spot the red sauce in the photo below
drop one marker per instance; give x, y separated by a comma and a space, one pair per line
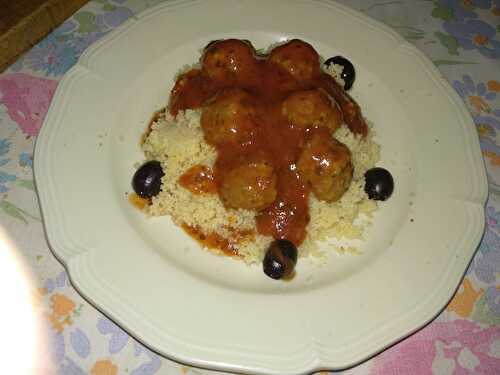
215, 241
288, 216
138, 201
275, 138
199, 179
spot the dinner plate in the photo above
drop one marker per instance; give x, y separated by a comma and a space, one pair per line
215, 312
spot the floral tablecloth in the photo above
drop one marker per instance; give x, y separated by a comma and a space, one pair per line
462, 37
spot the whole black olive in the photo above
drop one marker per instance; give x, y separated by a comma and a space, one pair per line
348, 73
379, 184
280, 259
147, 179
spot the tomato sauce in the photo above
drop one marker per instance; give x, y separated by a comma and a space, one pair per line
199, 179
215, 241
280, 141
138, 201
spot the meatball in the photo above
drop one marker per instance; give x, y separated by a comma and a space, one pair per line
297, 58
230, 118
230, 62
308, 108
250, 185
325, 164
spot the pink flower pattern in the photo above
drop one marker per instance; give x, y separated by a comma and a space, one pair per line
461, 346
27, 99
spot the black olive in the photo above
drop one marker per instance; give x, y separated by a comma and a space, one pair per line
379, 184
280, 259
348, 73
147, 179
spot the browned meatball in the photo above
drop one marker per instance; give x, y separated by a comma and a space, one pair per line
326, 164
230, 118
250, 185
298, 58
312, 108
230, 62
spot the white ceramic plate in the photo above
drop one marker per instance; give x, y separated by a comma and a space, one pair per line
215, 312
